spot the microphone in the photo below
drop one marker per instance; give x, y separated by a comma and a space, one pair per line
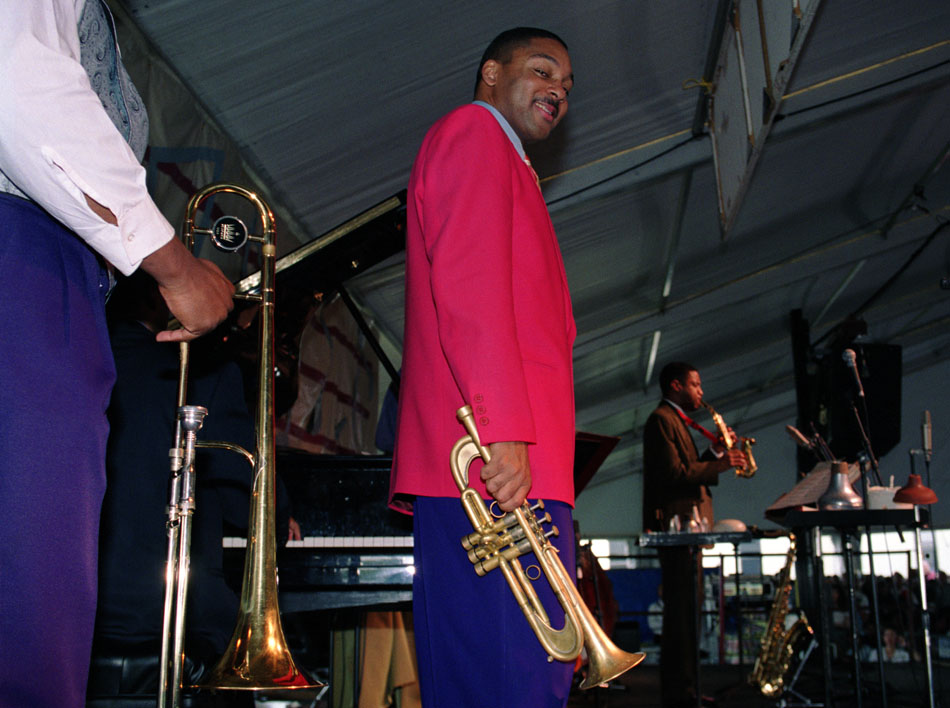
799, 439
926, 436
852, 361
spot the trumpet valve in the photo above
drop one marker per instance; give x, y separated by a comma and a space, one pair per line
508, 553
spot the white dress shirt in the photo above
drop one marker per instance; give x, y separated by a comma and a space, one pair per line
57, 143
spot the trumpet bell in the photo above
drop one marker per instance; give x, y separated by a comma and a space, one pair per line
605, 660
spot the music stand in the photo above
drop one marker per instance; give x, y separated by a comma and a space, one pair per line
590, 451
808, 490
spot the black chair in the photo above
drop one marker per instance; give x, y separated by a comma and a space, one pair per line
123, 676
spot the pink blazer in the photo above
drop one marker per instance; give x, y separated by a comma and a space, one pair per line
488, 313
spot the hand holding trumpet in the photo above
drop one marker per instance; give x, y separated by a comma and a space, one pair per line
507, 476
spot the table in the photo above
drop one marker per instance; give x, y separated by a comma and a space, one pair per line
694, 541
848, 522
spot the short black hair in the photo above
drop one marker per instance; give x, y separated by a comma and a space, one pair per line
674, 371
504, 45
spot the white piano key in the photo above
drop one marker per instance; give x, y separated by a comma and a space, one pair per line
317, 542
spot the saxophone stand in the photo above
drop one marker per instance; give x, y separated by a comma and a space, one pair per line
803, 701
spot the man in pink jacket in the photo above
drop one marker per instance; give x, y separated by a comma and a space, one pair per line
488, 323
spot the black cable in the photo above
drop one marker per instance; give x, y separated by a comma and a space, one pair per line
838, 99
887, 284
664, 153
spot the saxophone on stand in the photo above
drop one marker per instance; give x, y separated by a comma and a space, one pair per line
779, 645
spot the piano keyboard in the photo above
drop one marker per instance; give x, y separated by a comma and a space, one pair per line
355, 552
396, 542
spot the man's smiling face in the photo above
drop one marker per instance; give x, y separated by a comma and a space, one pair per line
531, 89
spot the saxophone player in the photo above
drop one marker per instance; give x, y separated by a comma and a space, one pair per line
676, 480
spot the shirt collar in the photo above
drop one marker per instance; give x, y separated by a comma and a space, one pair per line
667, 400
505, 125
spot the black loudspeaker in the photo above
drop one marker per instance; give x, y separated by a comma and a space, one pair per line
879, 368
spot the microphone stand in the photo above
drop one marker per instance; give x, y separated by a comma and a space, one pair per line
866, 443
933, 532
874, 600
866, 459
921, 578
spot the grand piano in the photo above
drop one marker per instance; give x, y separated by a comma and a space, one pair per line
356, 552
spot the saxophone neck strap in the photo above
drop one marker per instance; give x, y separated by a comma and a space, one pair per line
696, 426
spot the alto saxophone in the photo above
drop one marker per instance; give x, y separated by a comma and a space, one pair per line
779, 645
746, 443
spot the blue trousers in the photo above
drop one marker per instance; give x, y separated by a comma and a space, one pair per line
474, 646
56, 374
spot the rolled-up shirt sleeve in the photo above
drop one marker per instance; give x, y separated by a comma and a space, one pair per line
58, 145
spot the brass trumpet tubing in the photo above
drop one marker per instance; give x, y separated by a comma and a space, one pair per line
507, 524
580, 631
564, 644
477, 551
487, 562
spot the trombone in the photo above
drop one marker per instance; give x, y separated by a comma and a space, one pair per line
257, 657
498, 542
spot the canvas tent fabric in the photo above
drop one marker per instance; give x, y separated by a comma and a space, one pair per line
326, 104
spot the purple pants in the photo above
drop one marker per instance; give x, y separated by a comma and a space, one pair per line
474, 646
56, 373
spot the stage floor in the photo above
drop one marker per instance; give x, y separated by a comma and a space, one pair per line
906, 688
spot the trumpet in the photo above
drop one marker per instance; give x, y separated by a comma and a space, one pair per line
498, 542
745, 443
257, 657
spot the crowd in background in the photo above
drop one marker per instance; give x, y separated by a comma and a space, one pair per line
899, 613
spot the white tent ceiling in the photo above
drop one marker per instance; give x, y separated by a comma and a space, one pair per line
328, 102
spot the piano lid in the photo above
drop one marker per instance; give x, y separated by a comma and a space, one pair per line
343, 252
318, 268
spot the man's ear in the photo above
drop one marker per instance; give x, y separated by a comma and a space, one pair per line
490, 72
